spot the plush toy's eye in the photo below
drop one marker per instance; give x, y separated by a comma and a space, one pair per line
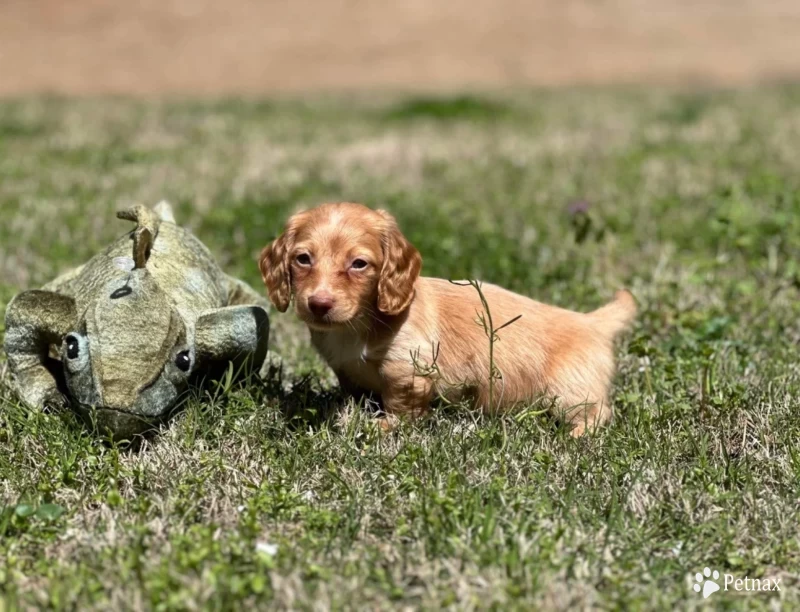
183, 360
73, 349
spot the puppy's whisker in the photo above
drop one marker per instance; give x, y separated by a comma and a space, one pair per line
375, 317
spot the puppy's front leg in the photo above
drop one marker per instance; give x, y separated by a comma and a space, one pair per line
348, 387
405, 394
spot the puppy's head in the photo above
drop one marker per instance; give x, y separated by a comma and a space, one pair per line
343, 263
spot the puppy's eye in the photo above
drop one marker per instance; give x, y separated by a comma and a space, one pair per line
73, 348
183, 360
358, 264
303, 259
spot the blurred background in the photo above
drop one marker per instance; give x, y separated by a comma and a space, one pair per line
155, 47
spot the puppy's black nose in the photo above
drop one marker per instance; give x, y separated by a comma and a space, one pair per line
320, 304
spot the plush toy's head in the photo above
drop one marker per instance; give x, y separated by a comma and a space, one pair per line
128, 355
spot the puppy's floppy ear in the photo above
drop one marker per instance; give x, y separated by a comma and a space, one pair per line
276, 265
401, 266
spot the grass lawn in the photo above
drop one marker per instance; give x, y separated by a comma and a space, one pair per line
282, 494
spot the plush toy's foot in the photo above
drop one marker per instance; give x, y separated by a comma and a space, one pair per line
116, 424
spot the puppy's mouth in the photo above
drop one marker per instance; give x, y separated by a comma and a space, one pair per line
321, 324
324, 323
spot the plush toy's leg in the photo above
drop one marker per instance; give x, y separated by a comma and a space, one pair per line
234, 333
35, 320
147, 224
243, 294
240, 293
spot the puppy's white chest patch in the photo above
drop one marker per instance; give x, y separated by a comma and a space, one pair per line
341, 349
343, 353
348, 355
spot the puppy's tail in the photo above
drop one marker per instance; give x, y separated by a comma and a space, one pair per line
617, 315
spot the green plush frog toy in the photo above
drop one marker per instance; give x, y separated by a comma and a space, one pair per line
121, 337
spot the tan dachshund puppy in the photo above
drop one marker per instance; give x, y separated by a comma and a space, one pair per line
383, 328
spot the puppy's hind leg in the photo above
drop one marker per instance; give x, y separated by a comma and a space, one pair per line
583, 389
587, 415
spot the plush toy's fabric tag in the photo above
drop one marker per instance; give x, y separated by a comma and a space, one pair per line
124, 263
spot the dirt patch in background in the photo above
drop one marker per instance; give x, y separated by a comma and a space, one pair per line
147, 47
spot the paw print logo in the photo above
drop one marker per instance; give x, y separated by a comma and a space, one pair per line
709, 586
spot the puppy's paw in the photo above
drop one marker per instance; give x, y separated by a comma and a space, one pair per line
387, 423
578, 430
